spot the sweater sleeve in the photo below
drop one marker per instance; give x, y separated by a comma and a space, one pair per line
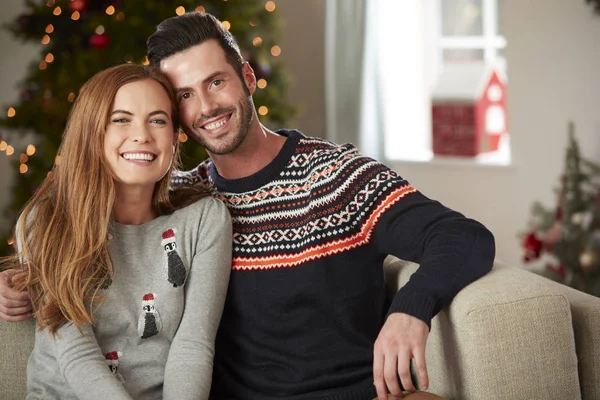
188, 373
452, 250
84, 367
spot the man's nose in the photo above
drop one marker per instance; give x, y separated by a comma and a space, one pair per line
207, 104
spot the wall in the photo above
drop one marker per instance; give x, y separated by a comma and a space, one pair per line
302, 52
553, 62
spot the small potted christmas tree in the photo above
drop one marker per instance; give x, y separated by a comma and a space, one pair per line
565, 241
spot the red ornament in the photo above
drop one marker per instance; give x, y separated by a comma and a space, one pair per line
559, 269
99, 41
532, 246
78, 5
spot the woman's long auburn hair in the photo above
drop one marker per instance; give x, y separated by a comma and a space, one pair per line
63, 229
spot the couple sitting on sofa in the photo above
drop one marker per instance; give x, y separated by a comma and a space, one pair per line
127, 262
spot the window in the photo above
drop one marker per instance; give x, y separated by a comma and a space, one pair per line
417, 40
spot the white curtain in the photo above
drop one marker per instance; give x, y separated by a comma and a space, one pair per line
351, 75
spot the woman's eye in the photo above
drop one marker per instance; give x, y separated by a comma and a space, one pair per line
120, 120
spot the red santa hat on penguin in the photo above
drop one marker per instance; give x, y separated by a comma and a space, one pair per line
113, 358
148, 299
168, 236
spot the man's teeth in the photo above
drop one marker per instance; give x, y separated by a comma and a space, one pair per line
138, 156
216, 124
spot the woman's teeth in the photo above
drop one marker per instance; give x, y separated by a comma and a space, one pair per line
139, 156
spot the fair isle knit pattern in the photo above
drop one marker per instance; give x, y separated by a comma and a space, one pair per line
343, 193
306, 297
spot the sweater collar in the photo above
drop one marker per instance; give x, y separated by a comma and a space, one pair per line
269, 173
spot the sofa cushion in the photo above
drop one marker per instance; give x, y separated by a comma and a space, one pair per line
16, 343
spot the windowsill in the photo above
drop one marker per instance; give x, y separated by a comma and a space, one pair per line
499, 158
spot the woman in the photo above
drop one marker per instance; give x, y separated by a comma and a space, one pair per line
127, 282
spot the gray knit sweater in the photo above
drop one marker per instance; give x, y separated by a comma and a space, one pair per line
154, 334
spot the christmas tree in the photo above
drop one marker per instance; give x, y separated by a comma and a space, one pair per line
566, 240
81, 37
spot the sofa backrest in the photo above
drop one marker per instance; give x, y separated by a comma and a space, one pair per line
16, 343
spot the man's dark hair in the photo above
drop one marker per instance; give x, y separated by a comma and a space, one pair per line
177, 34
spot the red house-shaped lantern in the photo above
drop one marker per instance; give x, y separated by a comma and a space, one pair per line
468, 109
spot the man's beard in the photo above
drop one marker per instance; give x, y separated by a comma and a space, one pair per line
236, 134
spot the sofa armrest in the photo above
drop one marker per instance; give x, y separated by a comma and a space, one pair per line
506, 335
16, 343
585, 311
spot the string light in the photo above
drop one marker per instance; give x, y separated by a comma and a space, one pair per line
46, 39
120, 16
50, 28
43, 65
262, 110
275, 51
146, 61
23, 158
183, 137
57, 160
252, 23
257, 41
57, 10
200, 9
75, 16
262, 83
270, 6
180, 10
227, 25
3, 145
23, 168
128, 58
110, 10
30, 150
100, 30
11, 112
50, 3
71, 97
49, 58
11, 241
10, 150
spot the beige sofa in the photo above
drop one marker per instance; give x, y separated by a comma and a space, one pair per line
510, 335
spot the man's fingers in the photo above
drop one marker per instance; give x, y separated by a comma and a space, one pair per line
422, 369
7, 293
404, 372
378, 378
13, 311
390, 372
9, 273
13, 298
14, 318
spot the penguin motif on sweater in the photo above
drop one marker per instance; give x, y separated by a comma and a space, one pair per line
149, 322
176, 272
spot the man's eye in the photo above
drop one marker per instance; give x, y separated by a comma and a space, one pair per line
159, 121
217, 82
184, 96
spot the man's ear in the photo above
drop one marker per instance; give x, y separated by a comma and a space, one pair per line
249, 77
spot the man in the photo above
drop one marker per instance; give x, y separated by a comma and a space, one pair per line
306, 314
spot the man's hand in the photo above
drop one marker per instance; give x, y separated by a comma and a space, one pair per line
14, 305
402, 337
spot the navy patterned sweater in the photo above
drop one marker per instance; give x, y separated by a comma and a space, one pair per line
306, 297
